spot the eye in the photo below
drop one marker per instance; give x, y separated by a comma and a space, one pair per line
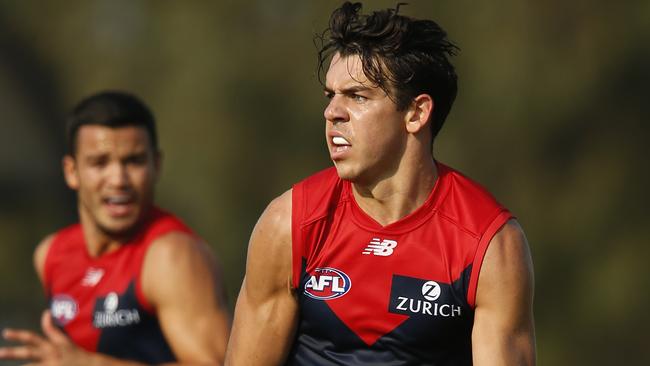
329, 95
139, 159
359, 98
98, 161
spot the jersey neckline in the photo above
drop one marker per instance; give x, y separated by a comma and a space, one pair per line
153, 214
409, 222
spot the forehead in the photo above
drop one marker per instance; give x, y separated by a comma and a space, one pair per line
346, 71
103, 139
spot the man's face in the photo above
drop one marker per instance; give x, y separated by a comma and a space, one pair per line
113, 172
365, 132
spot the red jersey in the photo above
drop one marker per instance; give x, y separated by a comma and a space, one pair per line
401, 294
98, 302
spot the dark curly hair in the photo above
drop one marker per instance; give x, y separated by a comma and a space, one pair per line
403, 56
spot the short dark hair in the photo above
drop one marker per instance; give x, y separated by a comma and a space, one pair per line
111, 109
403, 56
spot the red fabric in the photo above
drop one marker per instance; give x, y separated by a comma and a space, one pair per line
438, 241
68, 263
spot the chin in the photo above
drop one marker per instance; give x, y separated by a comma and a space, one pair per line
342, 172
120, 227
345, 173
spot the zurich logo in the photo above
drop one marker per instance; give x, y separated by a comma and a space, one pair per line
63, 309
431, 290
111, 303
327, 283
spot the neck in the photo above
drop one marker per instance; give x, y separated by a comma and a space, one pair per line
395, 196
98, 241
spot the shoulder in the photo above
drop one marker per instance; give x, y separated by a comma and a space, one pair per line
318, 184
57, 247
315, 196
510, 237
174, 261
507, 267
167, 248
268, 263
161, 223
40, 254
280, 207
273, 229
467, 203
509, 245
166, 238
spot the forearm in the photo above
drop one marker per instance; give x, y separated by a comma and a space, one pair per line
255, 325
517, 350
98, 359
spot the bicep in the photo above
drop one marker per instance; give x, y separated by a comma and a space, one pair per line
180, 279
266, 307
503, 332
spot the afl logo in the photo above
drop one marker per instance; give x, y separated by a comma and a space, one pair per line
327, 283
63, 309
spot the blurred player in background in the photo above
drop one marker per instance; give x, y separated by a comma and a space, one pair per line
390, 257
130, 283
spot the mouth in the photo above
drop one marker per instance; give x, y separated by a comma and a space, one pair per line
340, 143
339, 146
119, 205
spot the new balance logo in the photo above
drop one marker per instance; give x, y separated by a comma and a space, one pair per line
382, 248
92, 277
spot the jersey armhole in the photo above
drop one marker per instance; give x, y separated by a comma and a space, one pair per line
47, 266
142, 300
139, 293
483, 244
297, 212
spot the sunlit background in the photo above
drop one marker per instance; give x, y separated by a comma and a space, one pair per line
552, 117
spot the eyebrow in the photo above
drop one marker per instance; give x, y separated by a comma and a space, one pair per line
103, 154
95, 156
349, 90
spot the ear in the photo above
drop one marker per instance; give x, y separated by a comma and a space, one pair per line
419, 114
70, 172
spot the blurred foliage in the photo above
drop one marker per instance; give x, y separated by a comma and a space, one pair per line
551, 116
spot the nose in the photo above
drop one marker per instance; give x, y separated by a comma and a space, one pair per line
118, 175
335, 110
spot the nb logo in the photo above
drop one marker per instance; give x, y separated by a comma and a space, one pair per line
382, 248
92, 277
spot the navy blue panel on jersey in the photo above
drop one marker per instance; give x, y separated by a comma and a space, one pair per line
128, 331
435, 334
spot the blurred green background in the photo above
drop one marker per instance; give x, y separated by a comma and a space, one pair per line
552, 117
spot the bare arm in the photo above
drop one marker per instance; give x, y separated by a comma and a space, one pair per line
504, 332
266, 311
181, 282
180, 279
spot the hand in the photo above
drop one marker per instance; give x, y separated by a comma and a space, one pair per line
55, 349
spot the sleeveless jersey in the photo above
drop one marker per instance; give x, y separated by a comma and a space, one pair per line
98, 302
401, 294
